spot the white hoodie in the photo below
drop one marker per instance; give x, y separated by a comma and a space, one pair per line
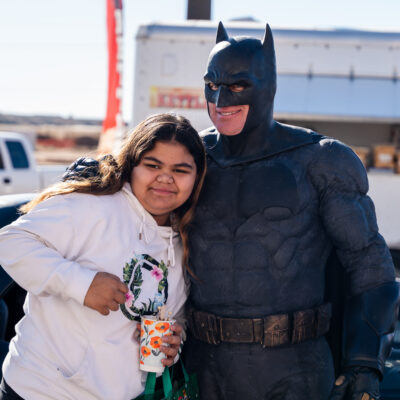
62, 349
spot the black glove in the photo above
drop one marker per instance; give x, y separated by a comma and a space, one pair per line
356, 383
82, 168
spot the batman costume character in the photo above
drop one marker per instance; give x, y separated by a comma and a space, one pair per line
277, 201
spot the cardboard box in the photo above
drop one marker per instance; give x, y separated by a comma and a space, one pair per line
384, 156
363, 154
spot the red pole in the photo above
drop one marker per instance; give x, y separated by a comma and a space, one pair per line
113, 121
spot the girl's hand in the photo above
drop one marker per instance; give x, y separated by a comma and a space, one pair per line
136, 333
105, 293
174, 342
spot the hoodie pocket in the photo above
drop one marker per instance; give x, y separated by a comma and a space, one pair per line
80, 371
108, 371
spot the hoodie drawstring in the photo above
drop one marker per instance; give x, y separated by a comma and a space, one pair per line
171, 251
141, 228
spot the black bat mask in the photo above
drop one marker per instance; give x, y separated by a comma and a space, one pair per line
247, 62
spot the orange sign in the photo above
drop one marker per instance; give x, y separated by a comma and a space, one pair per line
172, 97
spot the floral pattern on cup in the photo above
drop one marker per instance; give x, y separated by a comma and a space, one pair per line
162, 326
151, 334
145, 351
155, 342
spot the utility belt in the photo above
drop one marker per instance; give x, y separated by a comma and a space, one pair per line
269, 331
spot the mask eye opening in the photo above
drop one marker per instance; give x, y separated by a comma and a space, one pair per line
212, 86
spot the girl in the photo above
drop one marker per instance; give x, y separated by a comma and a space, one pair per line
112, 242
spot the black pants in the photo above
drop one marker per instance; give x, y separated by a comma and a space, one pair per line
240, 371
6, 393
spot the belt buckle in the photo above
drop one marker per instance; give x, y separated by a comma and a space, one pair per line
235, 330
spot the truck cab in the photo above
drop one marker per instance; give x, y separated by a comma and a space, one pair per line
18, 172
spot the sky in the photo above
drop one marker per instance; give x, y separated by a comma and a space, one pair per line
53, 53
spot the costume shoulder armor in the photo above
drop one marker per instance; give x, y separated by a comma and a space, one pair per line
334, 163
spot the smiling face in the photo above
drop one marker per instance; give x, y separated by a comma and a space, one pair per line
164, 179
228, 120
240, 84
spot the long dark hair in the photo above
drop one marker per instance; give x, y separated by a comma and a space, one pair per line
113, 173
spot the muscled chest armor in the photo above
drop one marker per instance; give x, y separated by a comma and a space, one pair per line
257, 238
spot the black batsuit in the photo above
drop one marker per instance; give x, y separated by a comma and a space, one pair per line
276, 202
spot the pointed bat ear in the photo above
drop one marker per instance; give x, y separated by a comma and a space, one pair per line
221, 33
268, 40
